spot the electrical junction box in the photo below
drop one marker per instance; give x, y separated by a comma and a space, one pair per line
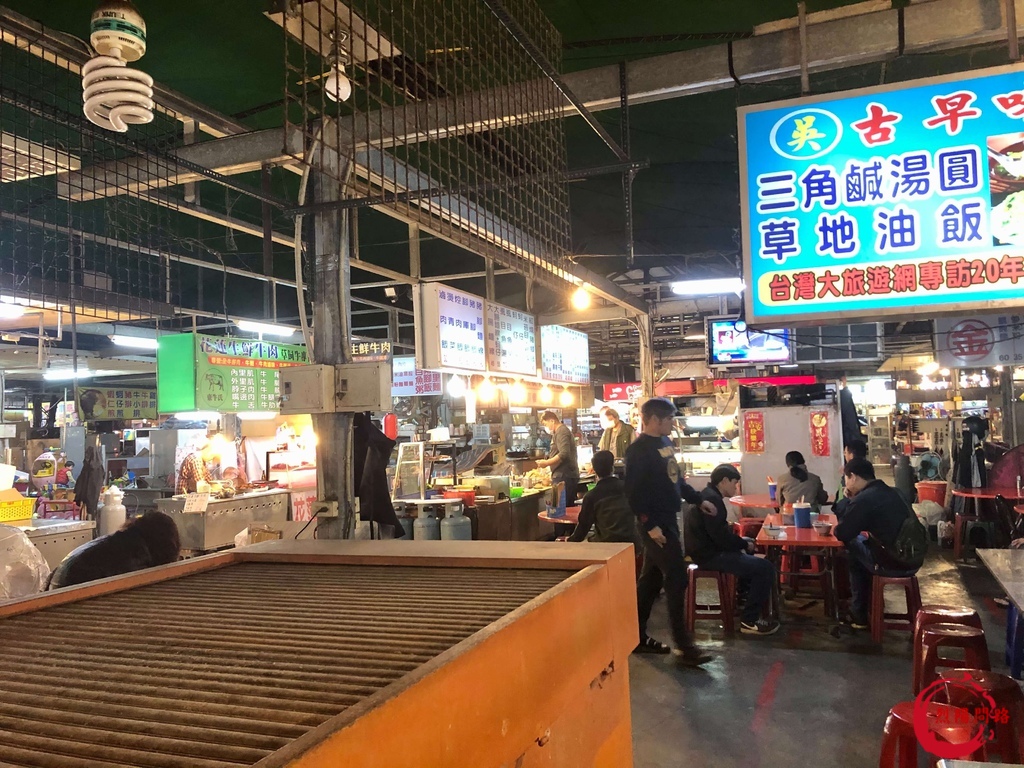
352, 388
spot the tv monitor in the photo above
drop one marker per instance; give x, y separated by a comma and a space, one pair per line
728, 345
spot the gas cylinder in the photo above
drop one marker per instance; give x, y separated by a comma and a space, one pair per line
113, 514
456, 526
426, 526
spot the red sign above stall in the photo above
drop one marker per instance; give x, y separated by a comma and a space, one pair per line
769, 381
631, 391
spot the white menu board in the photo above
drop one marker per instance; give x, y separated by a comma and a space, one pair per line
511, 340
409, 381
449, 329
565, 354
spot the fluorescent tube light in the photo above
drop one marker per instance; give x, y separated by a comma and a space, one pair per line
11, 311
66, 374
136, 342
256, 415
715, 286
271, 329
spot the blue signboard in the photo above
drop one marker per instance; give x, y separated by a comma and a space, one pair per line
904, 199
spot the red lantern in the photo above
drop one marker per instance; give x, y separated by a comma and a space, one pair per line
391, 425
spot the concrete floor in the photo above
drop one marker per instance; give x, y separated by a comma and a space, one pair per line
800, 698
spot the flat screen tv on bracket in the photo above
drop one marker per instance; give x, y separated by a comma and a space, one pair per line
732, 343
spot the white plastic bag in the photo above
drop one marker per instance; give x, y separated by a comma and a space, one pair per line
929, 511
23, 569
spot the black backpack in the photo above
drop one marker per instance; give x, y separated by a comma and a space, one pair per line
911, 543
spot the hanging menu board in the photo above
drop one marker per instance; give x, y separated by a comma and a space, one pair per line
565, 355
100, 403
449, 329
216, 373
511, 340
409, 381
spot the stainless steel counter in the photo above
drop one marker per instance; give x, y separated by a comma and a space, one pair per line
55, 539
223, 519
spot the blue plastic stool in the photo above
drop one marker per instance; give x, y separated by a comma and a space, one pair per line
1014, 641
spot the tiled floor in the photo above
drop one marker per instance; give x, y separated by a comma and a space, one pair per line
801, 698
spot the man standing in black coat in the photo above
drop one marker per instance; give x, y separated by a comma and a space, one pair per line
655, 489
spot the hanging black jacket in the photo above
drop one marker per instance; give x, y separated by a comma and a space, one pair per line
371, 451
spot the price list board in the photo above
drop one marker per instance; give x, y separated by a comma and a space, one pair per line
450, 329
511, 340
565, 355
217, 373
410, 381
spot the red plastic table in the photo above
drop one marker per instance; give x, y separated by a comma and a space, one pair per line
987, 492
754, 501
802, 538
571, 517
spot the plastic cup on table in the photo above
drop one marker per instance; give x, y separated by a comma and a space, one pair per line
772, 489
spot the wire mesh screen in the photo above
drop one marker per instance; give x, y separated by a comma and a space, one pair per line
449, 119
70, 234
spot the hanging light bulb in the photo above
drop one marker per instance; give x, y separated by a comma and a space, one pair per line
581, 299
486, 391
546, 395
114, 95
337, 86
456, 387
517, 393
565, 398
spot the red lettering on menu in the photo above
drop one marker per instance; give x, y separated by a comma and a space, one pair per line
878, 126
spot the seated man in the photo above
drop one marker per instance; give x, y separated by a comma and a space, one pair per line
870, 528
606, 508
711, 543
855, 449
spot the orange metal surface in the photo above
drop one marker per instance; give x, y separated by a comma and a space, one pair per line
508, 695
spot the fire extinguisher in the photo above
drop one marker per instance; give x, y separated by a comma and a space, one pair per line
391, 425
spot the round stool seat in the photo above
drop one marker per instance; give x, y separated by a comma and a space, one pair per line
935, 636
951, 724
938, 614
1006, 722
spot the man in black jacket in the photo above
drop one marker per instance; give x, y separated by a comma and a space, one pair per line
711, 543
606, 509
878, 510
655, 489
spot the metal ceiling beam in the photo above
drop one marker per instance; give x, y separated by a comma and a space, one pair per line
866, 34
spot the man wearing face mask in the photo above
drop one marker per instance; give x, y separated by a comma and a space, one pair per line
562, 457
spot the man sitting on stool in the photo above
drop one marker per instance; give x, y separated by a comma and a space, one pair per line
606, 508
712, 544
880, 511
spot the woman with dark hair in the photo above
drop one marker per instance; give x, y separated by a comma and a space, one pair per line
145, 542
798, 484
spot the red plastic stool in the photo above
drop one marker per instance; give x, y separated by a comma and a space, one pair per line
960, 521
880, 620
723, 610
1006, 722
939, 614
899, 742
970, 640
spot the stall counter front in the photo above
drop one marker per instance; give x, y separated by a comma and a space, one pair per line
224, 518
56, 539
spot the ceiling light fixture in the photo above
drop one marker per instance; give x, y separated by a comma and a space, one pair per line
271, 329
197, 416
486, 391
65, 374
581, 298
11, 311
256, 415
928, 368
545, 394
456, 387
715, 286
337, 86
113, 95
565, 398
135, 342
